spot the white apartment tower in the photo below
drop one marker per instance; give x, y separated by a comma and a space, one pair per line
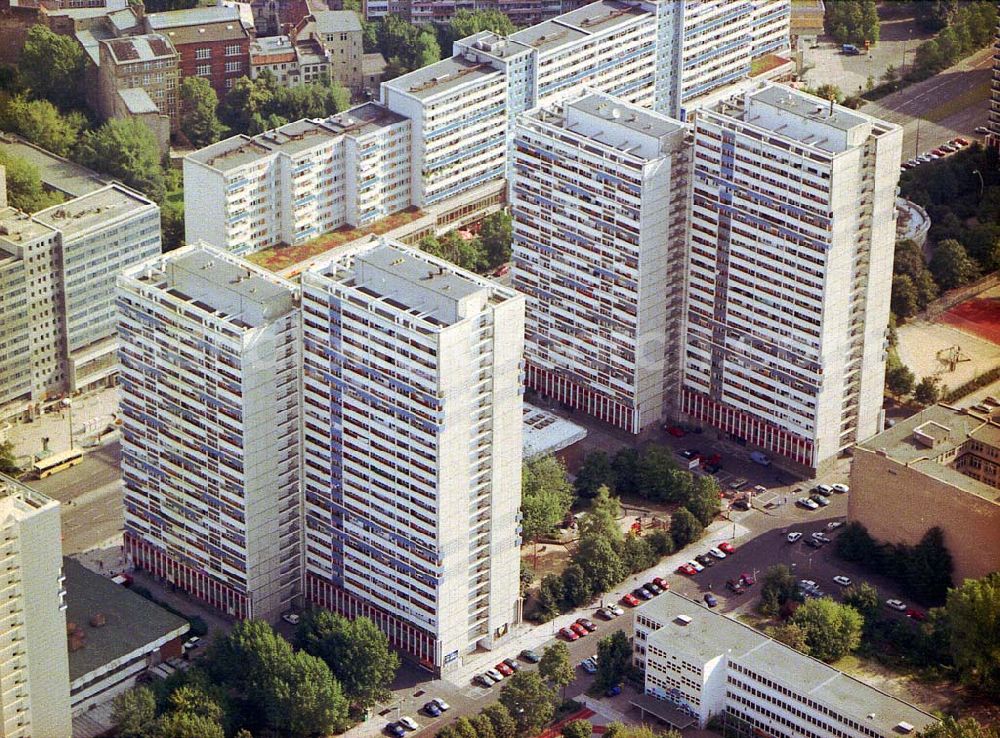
790, 263
210, 442
34, 671
599, 199
412, 448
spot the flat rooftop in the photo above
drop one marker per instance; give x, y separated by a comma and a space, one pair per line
442, 76
96, 209
17, 228
337, 21
922, 439
707, 635
601, 16
809, 106
548, 35
132, 622
621, 116
193, 16
20, 499
219, 285
151, 47
363, 119
56, 173
430, 290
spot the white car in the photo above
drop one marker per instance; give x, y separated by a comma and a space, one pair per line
807, 503
841, 488
442, 705
897, 605
842, 581
495, 675
607, 613
695, 565
616, 609
834, 524
807, 584
793, 536
716, 553
821, 537
982, 129
409, 723
291, 618
192, 643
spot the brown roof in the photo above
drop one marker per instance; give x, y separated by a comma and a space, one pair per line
208, 32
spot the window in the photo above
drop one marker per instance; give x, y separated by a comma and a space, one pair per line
202, 54
204, 70
234, 66
233, 50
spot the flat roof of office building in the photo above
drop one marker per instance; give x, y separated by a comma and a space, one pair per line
601, 16
94, 209
56, 172
442, 76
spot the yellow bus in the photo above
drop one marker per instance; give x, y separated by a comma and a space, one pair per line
57, 462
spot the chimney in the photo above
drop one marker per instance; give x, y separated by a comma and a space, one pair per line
3, 186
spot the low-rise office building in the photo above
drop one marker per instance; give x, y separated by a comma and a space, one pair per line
940, 467
698, 664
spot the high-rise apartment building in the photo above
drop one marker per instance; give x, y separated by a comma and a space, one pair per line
210, 440
34, 673
412, 448
298, 181
57, 271
790, 260
599, 199
994, 125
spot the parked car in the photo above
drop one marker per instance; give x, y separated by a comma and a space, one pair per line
806, 503
495, 675
687, 569
813, 543
613, 691
793, 536
192, 643
710, 600
442, 705
409, 723
759, 457
607, 613
916, 614
395, 729
961, 141
578, 629
821, 537
615, 609
530, 656
290, 617
675, 431
748, 581
840, 488
690, 453
631, 600
819, 500
432, 709
504, 669
712, 466
705, 560
982, 130
642, 593
696, 565
738, 483
741, 504
834, 524
653, 588
484, 680
717, 553
734, 586
661, 583
897, 605
588, 624
823, 489
588, 666
842, 580
568, 634
806, 584
727, 548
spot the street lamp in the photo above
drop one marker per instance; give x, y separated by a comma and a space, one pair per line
981, 184
68, 404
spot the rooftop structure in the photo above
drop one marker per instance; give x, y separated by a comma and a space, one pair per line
708, 664
140, 48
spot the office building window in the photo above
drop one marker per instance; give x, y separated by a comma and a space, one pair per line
234, 66
204, 70
202, 54
233, 50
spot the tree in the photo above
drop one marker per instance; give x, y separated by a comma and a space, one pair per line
928, 567
829, 92
832, 630
495, 235
546, 496
777, 587
172, 223
578, 729
483, 726
466, 23
40, 122
356, 651
307, 699
654, 475
926, 392
199, 121
125, 148
704, 501
791, 634
619, 730
637, 554
899, 380
950, 727
504, 725
133, 712
577, 588
243, 108
661, 542
555, 666
24, 185
448, 731
600, 561
684, 528
529, 701
973, 611
550, 597
195, 700
951, 265
601, 520
595, 472
8, 462
464, 728
179, 724
614, 659
52, 66
625, 467
864, 598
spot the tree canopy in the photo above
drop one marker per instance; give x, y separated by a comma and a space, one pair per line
528, 700
24, 185
40, 122
199, 121
555, 666
258, 105
973, 612
125, 148
832, 630
546, 496
52, 67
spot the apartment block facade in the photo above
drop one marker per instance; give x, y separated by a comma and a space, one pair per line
412, 448
209, 390
599, 201
34, 673
790, 258
994, 123
338, 33
703, 664
57, 271
296, 182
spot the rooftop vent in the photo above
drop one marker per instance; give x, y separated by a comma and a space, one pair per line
98, 619
683, 620
903, 727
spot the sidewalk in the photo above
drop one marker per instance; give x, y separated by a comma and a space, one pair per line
91, 412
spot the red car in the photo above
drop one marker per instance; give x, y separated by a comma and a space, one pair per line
504, 669
661, 583
916, 614
631, 600
578, 629
675, 431
939, 152
727, 548
748, 581
961, 141
568, 634
687, 569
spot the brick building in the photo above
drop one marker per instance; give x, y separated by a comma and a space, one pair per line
339, 33
213, 43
